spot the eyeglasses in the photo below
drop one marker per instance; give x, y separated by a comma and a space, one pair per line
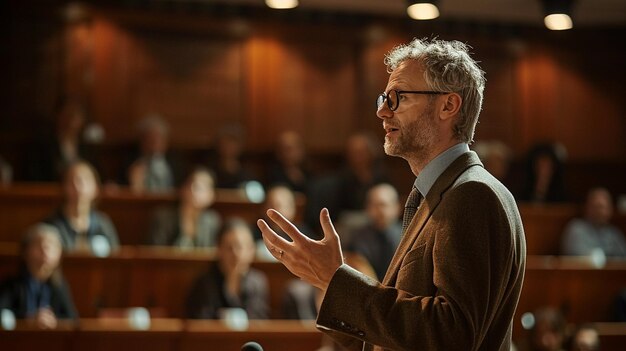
393, 97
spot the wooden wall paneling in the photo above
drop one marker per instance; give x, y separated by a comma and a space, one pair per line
111, 97
79, 45
301, 84
194, 81
592, 121
538, 103
498, 119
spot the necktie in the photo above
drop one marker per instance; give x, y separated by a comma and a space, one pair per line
412, 203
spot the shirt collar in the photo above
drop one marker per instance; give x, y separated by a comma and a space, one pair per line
428, 176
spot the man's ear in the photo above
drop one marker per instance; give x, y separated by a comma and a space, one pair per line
451, 106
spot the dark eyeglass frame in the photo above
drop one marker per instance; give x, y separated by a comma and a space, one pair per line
382, 97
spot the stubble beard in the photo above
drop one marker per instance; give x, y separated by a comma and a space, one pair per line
416, 138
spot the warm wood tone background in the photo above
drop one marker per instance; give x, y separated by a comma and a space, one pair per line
316, 74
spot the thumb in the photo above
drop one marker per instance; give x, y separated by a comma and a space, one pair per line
330, 234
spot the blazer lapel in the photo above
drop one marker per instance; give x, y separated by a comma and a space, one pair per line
425, 210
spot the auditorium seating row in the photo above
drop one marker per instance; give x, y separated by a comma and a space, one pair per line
159, 279
23, 204
163, 335
178, 335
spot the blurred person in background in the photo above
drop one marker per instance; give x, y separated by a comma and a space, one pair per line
364, 170
344, 192
594, 232
39, 293
69, 143
283, 198
548, 333
192, 223
496, 157
377, 241
231, 282
153, 171
288, 168
585, 338
81, 226
544, 174
230, 172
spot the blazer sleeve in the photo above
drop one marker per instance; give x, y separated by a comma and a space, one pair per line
471, 242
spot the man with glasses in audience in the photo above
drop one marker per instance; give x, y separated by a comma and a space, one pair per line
456, 277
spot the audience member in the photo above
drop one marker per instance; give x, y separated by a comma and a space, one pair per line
66, 145
345, 192
364, 170
281, 198
191, 223
231, 283
548, 331
495, 156
153, 171
229, 170
288, 168
585, 338
81, 226
39, 293
377, 241
544, 174
594, 232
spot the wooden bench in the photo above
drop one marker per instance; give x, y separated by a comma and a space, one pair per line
152, 277
24, 204
582, 291
163, 335
544, 225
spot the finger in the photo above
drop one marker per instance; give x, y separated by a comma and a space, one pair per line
274, 243
288, 227
327, 226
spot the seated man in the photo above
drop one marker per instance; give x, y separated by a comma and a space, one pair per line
39, 293
377, 241
231, 283
584, 236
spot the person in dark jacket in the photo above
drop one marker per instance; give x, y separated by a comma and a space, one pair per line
230, 282
39, 293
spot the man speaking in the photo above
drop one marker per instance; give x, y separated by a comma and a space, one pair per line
456, 277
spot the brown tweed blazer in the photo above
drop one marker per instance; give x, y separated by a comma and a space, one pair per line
454, 281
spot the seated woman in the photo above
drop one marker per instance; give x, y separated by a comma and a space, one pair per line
230, 282
81, 227
39, 292
191, 224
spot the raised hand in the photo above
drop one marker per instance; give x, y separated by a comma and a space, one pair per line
314, 261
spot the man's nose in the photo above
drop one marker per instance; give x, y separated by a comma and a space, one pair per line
384, 112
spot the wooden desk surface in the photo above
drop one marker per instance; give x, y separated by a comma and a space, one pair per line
164, 334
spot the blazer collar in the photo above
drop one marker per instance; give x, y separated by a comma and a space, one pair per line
426, 208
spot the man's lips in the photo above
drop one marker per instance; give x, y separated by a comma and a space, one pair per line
390, 129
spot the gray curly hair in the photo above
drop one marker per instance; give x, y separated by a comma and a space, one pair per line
447, 67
